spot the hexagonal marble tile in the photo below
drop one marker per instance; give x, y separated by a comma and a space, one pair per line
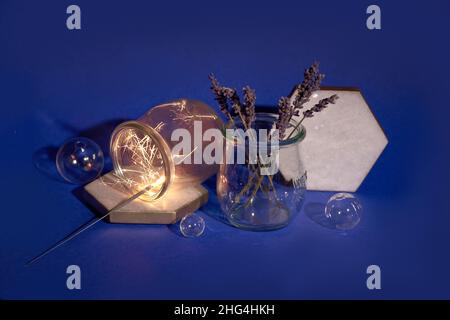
342, 143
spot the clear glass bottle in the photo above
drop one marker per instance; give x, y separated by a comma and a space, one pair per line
141, 150
255, 202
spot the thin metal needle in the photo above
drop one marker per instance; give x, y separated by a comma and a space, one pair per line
86, 226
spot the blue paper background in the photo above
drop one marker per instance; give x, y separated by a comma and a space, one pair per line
129, 55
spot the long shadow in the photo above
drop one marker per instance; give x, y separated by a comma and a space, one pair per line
100, 133
44, 159
315, 211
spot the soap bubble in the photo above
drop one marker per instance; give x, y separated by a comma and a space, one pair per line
192, 226
79, 160
343, 211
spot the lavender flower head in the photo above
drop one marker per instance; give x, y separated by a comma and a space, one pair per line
220, 96
284, 116
233, 97
310, 83
320, 106
299, 97
249, 105
230, 103
227, 96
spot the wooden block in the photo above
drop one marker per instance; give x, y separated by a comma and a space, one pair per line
105, 193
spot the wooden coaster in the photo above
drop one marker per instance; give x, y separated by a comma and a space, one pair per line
179, 201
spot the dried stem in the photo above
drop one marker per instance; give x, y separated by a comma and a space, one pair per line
231, 106
295, 128
317, 108
258, 185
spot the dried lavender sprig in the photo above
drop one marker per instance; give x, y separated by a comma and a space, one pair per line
310, 83
232, 95
249, 105
220, 96
284, 116
300, 95
322, 104
245, 112
226, 96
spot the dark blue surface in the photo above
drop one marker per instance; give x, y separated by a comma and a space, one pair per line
129, 55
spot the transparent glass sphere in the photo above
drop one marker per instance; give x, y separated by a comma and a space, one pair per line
343, 211
79, 160
192, 226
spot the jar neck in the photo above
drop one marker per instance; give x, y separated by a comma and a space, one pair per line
267, 121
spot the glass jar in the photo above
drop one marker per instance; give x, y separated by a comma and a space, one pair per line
251, 200
141, 150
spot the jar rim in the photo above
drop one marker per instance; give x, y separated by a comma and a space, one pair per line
296, 138
169, 167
